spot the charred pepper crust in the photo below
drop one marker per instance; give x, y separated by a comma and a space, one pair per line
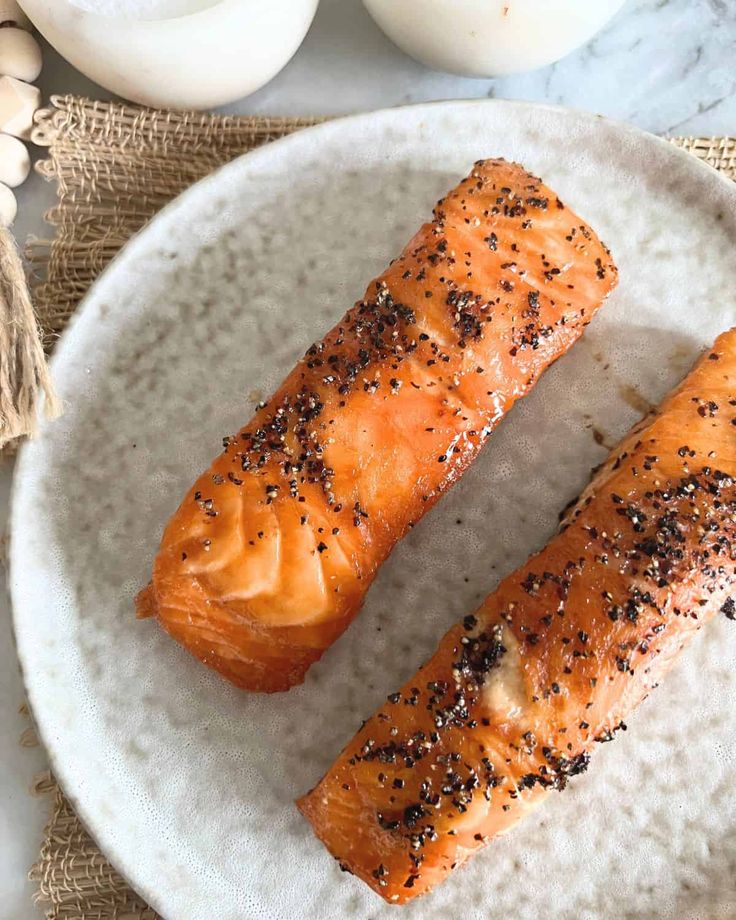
454, 787
458, 781
379, 333
653, 546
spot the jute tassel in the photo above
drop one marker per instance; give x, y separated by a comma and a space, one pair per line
24, 377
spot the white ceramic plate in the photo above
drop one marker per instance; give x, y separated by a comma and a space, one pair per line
188, 784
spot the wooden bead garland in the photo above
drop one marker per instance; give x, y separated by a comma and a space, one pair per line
15, 162
12, 15
18, 102
20, 54
8, 205
20, 64
24, 376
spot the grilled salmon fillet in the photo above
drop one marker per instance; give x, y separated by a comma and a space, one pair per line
516, 696
270, 555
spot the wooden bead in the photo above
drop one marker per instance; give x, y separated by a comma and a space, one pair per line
11, 13
20, 55
15, 163
8, 206
18, 102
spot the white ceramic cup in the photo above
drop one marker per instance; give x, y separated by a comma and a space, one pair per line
488, 38
200, 60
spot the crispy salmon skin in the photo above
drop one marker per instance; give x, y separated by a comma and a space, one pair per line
271, 553
516, 696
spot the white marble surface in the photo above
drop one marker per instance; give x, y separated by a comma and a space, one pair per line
665, 65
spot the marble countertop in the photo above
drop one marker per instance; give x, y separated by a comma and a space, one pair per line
666, 66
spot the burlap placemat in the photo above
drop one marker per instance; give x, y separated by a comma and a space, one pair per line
114, 167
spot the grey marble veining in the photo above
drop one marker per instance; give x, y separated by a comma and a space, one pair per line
665, 65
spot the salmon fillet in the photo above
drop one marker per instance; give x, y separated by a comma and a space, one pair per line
516, 696
272, 550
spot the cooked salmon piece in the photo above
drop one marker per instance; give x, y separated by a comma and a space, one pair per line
517, 695
273, 549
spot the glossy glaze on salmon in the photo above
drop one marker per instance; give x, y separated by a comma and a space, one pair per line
271, 553
517, 695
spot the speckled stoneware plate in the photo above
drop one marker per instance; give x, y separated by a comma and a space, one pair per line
188, 784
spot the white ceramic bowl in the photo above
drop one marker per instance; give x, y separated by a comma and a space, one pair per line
488, 38
200, 60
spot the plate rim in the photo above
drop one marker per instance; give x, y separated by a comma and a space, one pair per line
137, 244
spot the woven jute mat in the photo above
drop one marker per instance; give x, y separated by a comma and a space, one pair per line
114, 167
